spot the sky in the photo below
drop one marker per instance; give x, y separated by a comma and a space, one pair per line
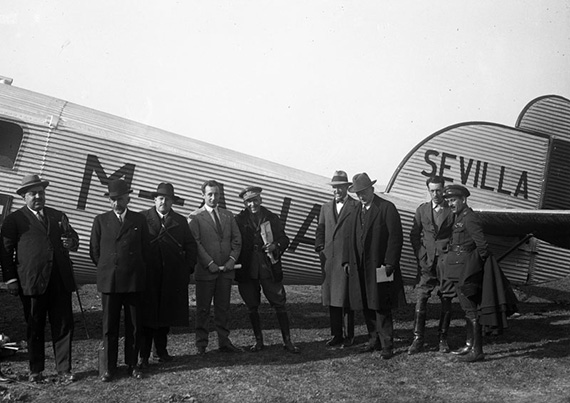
315, 85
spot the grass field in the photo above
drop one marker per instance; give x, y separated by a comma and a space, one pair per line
529, 363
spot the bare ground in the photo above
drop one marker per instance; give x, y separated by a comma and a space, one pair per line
528, 363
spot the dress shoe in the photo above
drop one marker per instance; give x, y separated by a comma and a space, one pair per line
348, 342
36, 377
135, 372
386, 353
66, 376
143, 364
290, 347
4, 378
370, 347
336, 341
107, 377
230, 348
165, 358
258, 346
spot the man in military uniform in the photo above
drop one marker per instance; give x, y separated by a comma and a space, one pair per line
263, 243
463, 265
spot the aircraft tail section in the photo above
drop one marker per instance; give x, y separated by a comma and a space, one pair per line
519, 169
522, 167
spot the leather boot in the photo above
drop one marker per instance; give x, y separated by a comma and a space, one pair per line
256, 326
476, 353
419, 328
283, 320
468, 341
444, 321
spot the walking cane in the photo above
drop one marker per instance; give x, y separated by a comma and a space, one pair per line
66, 229
82, 312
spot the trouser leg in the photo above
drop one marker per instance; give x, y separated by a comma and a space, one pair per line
336, 319
160, 340
348, 323
385, 329
444, 321
204, 295
146, 343
419, 326
257, 332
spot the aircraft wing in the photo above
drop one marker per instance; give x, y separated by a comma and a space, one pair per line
552, 226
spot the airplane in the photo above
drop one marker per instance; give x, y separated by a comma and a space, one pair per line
517, 176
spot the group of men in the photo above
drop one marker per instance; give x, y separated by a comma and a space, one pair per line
360, 242
144, 262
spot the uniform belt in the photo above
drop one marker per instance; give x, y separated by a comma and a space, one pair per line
460, 248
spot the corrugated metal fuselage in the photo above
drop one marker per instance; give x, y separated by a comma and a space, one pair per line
79, 150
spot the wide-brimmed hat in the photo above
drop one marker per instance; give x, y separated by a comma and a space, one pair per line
456, 190
340, 178
249, 192
360, 182
118, 187
165, 189
29, 181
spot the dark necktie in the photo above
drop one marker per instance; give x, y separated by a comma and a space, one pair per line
218, 224
120, 217
42, 218
363, 216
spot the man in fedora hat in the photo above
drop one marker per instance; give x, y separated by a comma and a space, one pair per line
119, 248
172, 257
36, 241
372, 260
263, 242
329, 243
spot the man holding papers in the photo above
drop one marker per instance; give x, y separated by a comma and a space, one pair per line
263, 243
371, 260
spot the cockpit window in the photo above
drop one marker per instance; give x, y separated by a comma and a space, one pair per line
10, 139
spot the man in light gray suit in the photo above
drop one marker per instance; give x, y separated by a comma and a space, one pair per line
219, 244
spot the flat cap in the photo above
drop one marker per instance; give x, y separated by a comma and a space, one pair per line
455, 190
249, 192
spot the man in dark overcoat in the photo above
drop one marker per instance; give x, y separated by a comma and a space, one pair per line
429, 236
119, 248
260, 258
36, 241
372, 260
329, 243
172, 257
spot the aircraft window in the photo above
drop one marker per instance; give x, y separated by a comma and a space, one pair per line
10, 139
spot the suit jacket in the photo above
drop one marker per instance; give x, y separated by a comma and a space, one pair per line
428, 240
251, 238
382, 241
171, 261
212, 246
331, 235
120, 252
29, 249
